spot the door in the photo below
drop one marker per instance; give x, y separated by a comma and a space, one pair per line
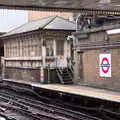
80, 65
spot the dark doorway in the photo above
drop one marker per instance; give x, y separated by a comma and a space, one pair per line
80, 65
1, 54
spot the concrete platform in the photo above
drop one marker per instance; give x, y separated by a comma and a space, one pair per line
77, 90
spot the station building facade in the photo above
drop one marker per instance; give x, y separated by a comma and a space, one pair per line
89, 44
36, 44
43, 43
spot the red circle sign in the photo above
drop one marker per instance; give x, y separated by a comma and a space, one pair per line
105, 65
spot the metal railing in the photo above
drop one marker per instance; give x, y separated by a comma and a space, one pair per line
70, 65
59, 73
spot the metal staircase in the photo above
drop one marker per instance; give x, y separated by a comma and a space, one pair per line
65, 74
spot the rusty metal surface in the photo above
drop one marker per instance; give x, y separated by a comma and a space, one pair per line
62, 4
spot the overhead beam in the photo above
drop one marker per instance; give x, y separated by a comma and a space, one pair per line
91, 6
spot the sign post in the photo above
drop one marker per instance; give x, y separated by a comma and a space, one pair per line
105, 65
42, 74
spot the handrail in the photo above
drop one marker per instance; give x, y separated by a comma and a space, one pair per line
70, 65
59, 74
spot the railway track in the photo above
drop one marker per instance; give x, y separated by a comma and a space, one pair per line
40, 110
33, 106
28, 105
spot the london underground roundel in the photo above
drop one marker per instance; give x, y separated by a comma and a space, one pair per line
105, 65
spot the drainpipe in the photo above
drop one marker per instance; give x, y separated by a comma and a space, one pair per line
77, 21
3, 68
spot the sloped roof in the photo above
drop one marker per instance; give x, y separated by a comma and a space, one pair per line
97, 29
52, 22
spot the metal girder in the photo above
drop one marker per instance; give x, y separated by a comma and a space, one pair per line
63, 5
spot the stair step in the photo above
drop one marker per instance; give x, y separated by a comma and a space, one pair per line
65, 73
65, 76
68, 82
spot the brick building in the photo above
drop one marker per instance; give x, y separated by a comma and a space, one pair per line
36, 46
88, 45
35, 15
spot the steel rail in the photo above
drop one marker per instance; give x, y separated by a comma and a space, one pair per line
53, 106
13, 104
62, 106
53, 110
57, 110
20, 110
38, 116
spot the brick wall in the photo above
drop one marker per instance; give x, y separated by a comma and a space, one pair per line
34, 15
22, 74
114, 36
32, 75
91, 47
91, 69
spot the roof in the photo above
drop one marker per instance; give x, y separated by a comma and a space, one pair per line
97, 29
52, 22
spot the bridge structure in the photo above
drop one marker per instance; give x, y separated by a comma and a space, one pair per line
88, 6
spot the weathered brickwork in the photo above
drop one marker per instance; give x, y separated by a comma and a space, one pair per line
114, 36
91, 69
34, 15
22, 74
32, 75
87, 51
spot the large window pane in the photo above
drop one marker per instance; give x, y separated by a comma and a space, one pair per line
60, 47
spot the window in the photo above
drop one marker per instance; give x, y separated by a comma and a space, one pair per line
49, 48
60, 47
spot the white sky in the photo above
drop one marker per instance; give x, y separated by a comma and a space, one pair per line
10, 19
114, 31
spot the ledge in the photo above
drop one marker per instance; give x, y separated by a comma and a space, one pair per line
97, 29
27, 58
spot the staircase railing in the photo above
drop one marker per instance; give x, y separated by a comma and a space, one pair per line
59, 73
65, 74
70, 65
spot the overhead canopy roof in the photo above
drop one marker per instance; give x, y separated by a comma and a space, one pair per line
61, 4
